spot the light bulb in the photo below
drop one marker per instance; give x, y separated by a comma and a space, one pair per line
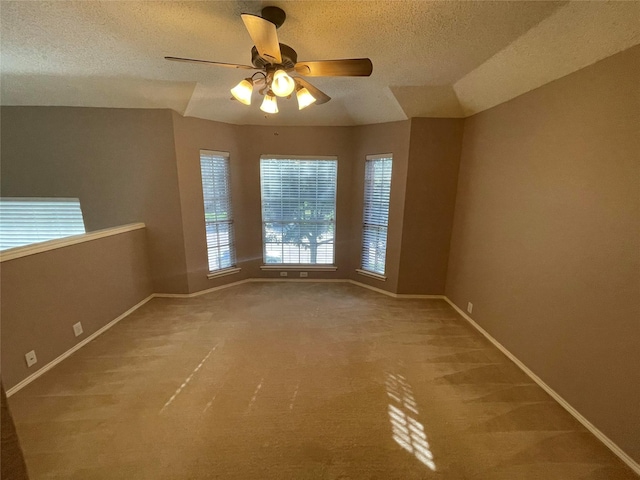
242, 92
269, 104
282, 84
304, 98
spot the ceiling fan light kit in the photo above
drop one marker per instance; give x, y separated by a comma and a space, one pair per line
304, 98
242, 92
274, 61
282, 84
269, 104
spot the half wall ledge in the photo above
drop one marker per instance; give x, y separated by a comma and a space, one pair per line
19, 252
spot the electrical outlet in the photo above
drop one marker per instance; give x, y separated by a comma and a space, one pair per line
304, 274
283, 274
469, 307
31, 358
77, 329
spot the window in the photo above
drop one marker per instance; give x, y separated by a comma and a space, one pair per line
217, 209
24, 221
377, 187
298, 209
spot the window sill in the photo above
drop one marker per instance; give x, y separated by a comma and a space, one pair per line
222, 273
303, 267
366, 273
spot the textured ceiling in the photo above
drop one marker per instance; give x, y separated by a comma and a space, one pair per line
431, 59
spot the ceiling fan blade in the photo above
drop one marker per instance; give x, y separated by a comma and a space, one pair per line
319, 95
207, 62
351, 67
264, 36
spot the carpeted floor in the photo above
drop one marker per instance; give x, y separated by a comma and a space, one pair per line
298, 381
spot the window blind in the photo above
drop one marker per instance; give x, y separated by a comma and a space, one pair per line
218, 214
298, 209
24, 221
377, 188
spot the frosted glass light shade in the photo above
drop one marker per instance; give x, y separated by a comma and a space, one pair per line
282, 84
242, 92
269, 104
304, 98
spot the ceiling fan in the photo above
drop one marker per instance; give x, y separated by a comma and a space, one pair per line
275, 61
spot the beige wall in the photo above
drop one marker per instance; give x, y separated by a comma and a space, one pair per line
351, 145
546, 237
191, 136
432, 178
426, 156
119, 162
44, 294
143, 166
371, 140
245, 144
256, 141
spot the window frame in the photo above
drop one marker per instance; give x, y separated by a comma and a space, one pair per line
367, 198
333, 222
229, 221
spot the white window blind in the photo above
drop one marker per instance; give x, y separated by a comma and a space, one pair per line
218, 214
377, 188
298, 209
24, 221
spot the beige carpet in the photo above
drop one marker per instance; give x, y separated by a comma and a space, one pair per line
298, 381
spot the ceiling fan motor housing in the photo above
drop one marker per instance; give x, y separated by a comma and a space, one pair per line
275, 15
288, 54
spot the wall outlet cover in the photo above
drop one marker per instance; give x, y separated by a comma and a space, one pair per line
304, 274
469, 307
283, 274
31, 358
77, 329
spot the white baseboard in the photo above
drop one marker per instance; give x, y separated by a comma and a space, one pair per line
76, 347
201, 292
299, 280
248, 280
563, 403
396, 295
409, 296
372, 288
